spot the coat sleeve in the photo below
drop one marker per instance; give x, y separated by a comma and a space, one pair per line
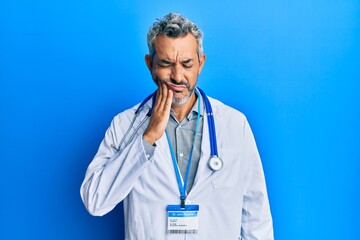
256, 216
112, 174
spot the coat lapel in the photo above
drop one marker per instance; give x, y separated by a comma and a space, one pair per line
203, 170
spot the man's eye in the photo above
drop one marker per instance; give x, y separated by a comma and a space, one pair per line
187, 66
164, 66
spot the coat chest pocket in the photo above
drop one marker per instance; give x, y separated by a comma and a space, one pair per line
231, 173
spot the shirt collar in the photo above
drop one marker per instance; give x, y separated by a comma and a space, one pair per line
194, 111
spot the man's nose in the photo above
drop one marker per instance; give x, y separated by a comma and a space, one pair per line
176, 73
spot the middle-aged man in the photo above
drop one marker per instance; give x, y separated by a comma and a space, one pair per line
184, 170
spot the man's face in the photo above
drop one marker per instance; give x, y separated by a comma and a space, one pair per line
177, 64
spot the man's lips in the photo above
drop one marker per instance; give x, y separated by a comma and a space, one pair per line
175, 87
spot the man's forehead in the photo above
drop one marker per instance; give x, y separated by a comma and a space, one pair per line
167, 47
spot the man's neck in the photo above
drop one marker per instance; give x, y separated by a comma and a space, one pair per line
181, 111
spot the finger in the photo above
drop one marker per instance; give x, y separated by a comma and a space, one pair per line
158, 93
164, 91
163, 96
169, 99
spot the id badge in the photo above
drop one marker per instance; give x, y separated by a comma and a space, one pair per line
182, 220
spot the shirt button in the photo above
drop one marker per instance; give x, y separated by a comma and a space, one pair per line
147, 156
181, 154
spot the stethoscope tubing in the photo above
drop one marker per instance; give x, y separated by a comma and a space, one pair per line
209, 114
153, 96
211, 122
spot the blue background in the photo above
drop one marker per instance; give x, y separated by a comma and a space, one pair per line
67, 67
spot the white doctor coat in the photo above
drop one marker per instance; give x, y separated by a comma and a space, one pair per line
233, 201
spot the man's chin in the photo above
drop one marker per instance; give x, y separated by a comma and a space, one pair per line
180, 100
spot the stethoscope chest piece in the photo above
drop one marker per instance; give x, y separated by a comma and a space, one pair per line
216, 163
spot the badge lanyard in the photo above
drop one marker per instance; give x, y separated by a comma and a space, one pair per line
181, 183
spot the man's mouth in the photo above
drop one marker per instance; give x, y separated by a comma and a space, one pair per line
176, 88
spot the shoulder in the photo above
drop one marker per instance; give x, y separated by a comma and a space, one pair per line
139, 109
224, 111
127, 116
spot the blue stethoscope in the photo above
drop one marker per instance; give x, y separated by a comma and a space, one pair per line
215, 162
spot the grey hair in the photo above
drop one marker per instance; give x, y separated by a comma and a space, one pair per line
173, 25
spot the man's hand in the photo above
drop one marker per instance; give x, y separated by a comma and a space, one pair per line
160, 114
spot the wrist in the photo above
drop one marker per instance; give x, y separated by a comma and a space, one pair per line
147, 137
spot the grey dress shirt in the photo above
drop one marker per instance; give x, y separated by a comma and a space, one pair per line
181, 135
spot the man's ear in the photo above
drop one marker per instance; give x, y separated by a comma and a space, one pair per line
149, 62
201, 62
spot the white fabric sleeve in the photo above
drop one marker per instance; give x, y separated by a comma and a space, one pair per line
149, 149
256, 216
112, 174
